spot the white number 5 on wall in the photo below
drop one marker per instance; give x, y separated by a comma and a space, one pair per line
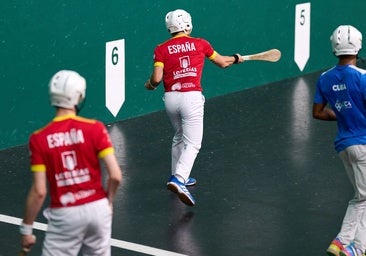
302, 35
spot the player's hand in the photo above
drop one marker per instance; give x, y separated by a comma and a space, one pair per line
111, 206
149, 86
27, 241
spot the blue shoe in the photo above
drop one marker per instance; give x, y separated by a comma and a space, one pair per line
351, 250
191, 181
180, 188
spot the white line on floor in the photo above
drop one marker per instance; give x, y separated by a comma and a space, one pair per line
116, 243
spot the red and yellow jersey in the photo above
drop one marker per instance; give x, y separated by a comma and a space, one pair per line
182, 58
68, 150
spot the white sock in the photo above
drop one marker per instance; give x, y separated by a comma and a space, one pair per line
180, 178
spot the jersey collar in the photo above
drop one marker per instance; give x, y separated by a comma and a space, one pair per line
61, 118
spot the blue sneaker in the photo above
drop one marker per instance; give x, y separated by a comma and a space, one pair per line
351, 250
191, 181
180, 188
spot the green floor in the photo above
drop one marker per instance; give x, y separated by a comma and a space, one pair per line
269, 180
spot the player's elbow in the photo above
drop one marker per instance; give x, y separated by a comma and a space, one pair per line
155, 81
318, 110
39, 192
116, 176
316, 115
42, 193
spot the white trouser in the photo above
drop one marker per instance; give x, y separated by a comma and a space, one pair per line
354, 222
85, 228
185, 111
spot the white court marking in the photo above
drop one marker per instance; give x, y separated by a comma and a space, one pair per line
115, 243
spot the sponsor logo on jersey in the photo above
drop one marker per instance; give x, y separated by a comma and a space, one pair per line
71, 175
339, 105
185, 71
73, 197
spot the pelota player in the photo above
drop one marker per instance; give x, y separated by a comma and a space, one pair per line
65, 154
343, 89
178, 62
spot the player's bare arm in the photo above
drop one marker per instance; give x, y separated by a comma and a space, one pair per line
115, 175
226, 61
36, 197
320, 111
155, 78
35, 200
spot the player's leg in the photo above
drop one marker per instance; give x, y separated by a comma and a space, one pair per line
97, 239
192, 111
65, 231
172, 103
349, 224
359, 171
354, 160
177, 147
177, 105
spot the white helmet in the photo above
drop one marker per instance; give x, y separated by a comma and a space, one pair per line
178, 20
67, 89
346, 40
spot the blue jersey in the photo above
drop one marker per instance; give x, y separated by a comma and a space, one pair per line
344, 89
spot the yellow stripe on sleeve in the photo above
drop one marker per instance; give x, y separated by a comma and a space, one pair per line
38, 168
105, 152
213, 55
159, 64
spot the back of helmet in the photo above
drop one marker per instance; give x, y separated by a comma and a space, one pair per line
346, 40
67, 89
178, 21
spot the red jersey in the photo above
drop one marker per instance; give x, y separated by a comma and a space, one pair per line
183, 58
68, 150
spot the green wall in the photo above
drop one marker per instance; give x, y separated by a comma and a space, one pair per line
38, 38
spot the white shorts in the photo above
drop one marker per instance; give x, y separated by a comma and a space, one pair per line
86, 228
